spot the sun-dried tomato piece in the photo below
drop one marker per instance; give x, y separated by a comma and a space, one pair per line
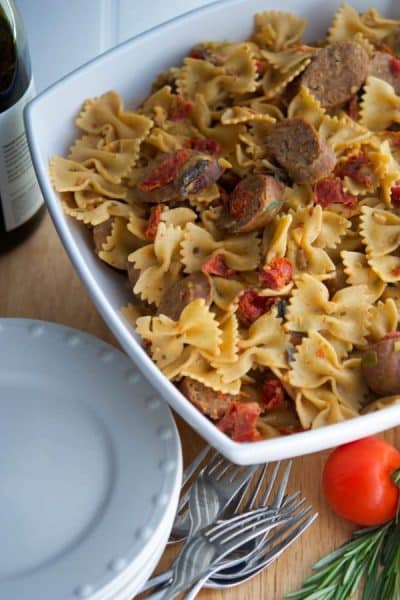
216, 265
276, 274
395, 66
391, 335
261, 66
181, 109
273, 394
166, 171
395, 195
329, 191
352, 108
208, 145
240, 421
251, 306
153, 222
358, 168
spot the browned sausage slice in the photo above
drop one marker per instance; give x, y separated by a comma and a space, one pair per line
383, 66
177, 175
297, 147
211, 403
381, 366
336, 73
101, 233
253, 203
180, 294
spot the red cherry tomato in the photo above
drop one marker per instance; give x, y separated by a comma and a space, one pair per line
357, 481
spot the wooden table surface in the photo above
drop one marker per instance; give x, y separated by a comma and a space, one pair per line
37, 281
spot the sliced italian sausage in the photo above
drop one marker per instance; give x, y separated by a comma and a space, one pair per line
101, 233
381, 365
253, 203
177, 175
336, 73
211, 403
297, 147
180, 294
385, 67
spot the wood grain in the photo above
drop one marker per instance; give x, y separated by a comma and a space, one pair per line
38, 281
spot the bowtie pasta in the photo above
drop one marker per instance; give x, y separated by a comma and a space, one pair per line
253, 201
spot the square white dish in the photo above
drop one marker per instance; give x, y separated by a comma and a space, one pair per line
130, 69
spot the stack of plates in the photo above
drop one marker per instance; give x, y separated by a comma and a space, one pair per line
90, 467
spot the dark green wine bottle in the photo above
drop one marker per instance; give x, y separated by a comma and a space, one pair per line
21, 203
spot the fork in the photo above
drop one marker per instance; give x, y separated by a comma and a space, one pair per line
242, 503
223, 481
215, 542
258, 561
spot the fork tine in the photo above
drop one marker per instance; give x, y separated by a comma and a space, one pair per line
242, 522
251, 502
190, 471
292, 535
279, 494
245, 532
195, 464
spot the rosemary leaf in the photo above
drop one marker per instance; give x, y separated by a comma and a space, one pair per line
371, 557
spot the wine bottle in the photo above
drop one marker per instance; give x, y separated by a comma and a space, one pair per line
21, 203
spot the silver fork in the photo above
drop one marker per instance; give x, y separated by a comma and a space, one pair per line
242, 503
257, 561
222, 480
217, 541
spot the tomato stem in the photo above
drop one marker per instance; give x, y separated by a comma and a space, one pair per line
395, 477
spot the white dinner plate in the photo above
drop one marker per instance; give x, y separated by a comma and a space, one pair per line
90, 466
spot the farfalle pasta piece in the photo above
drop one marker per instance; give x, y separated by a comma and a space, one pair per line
380, 232
305, 106
98, 214
158, 263
290, 58
316, 364
275, 81
359, 272
387, 169
118, 245
319, 407
342, 132
71, 176
112, 160
105, 116
345, 317
157, 106
275, 237
240, 252
164, 141
198, 368
170, 338
302, 250
380, 105
277, 30
265, 345
225, 291
347, 23
243, 114
384, 319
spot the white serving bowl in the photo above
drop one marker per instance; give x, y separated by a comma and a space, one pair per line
130, 69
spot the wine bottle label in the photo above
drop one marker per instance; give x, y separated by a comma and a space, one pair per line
20, 195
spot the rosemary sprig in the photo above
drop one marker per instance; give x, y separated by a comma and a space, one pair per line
371, 558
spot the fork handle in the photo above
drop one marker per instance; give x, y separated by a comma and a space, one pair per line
157, 581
